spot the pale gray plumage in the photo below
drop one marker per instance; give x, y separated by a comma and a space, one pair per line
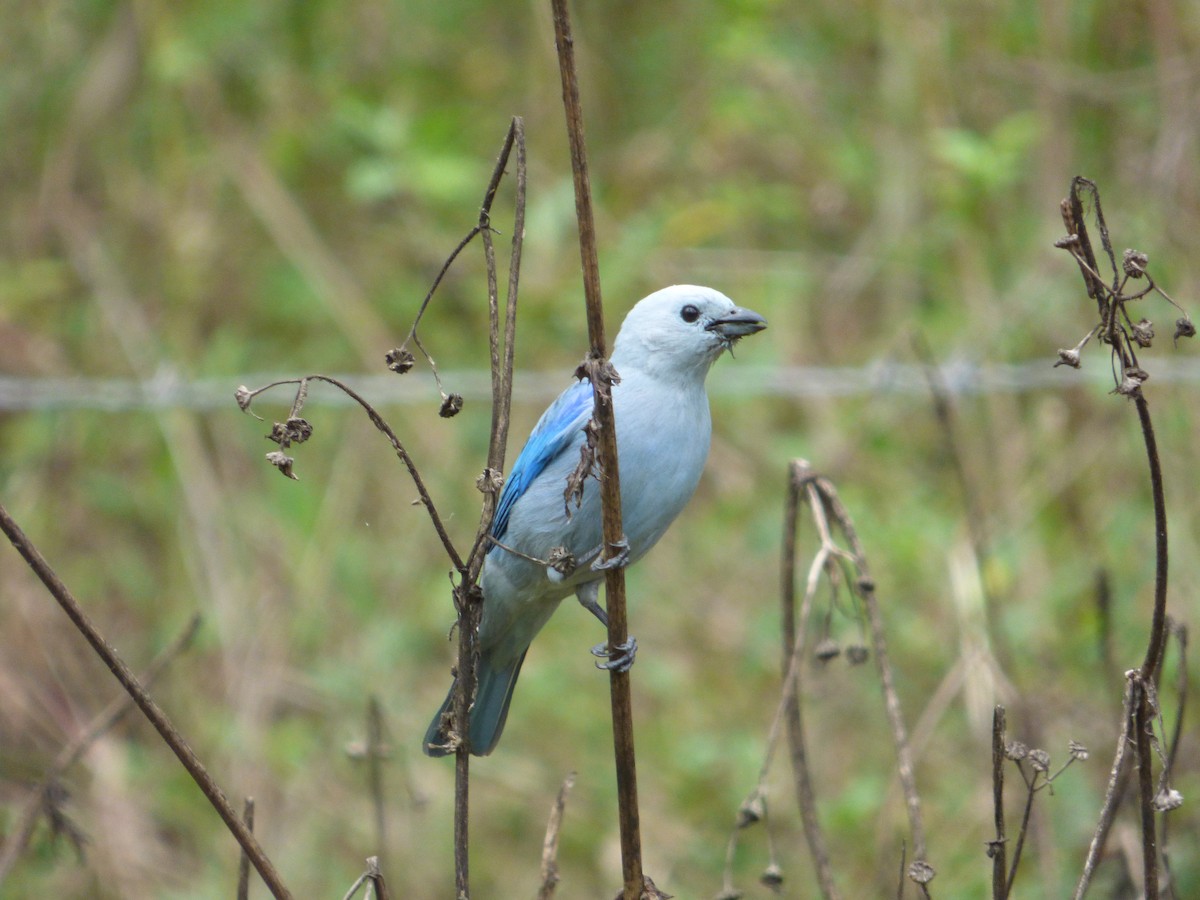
662, 354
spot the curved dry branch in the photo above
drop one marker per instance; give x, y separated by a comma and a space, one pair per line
170, 734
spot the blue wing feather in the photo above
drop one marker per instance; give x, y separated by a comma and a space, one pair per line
555, 431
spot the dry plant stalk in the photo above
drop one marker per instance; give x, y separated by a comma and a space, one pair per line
468, 598
829, 562
550, 842
243, 881
997, 848
601, 375
1124, 337
1037, 779
372, 879
146, 703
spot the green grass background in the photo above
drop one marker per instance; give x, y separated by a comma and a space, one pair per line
220, 189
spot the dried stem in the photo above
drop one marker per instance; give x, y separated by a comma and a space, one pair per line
550, 843
599, 372
1020, 845
1146, 707
1181, 689
1158, 625
468, 598
793, 630
1143, 724
373, 876
21, 831
145, 702
245, 397
997, 848
828, 508
243, 882
1116, 330
866, 590
1112, 797
501, 350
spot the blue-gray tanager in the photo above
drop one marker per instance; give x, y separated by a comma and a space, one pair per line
662, 355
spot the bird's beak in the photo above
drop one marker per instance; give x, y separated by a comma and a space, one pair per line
737, 323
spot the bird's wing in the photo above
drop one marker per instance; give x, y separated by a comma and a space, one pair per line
558, 428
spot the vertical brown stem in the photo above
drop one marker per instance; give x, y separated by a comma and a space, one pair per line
793, 628
610, 486
468, 598
1143, 721
1158, 625
999, 853
1143, 709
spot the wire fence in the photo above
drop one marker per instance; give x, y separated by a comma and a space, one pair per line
170, 390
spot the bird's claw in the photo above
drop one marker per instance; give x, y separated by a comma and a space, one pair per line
619, 658
618, 560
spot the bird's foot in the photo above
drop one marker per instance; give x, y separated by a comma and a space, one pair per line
619, 658
619, 558
588, 594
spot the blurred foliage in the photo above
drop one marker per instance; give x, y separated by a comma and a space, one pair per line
220, 189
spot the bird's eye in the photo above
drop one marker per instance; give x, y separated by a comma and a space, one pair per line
689, 313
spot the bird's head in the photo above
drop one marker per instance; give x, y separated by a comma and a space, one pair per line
682, 328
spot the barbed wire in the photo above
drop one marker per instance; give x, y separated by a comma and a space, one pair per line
170, 390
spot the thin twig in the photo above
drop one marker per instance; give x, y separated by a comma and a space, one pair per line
550, 843
997, 848
1030, 786
467, 595
501, 349
372, 876
243, 882
1143, 724
145, 702
1117, 330
1179, 629
21, 831
375, 874
793, 630
1145, 712
601, 376
468, 598
412, 332
826, 509
1112, 798
245, 397
1158, 624
866, 590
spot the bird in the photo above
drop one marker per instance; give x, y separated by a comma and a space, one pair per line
662, 354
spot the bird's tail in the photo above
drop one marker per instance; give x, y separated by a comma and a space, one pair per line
490, 710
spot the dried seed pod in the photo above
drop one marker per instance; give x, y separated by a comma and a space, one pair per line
399, 360
1040, 760
452, 405
826, 650
921, 872
1068, 358
1016, 751
1143, 333
1134, 263
283, 463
